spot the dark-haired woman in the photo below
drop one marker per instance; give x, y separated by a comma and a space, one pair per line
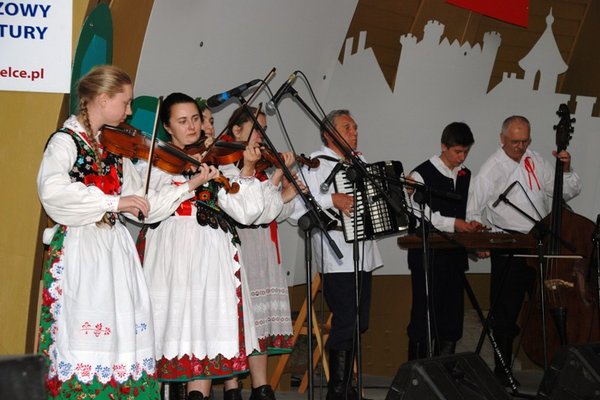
262, 258
192, 267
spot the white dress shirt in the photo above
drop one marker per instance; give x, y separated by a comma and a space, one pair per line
532, 193
370, 258
440, 222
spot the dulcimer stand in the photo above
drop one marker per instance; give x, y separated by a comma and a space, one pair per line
539, 232
471, 242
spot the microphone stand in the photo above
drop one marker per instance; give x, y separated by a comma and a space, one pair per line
314, 218
596, 241
316, 214
539, 231
360, 169
351, 176
422, 193
420, 197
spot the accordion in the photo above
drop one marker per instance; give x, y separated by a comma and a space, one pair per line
375, 218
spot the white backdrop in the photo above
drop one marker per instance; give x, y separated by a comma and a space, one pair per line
206, 47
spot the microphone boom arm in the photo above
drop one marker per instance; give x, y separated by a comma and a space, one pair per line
309, 202
349, 155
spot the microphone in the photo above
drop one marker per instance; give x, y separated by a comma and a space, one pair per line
218, 99
271, 105
503, 195
325, 185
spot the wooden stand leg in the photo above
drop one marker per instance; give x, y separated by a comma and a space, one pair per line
320, 332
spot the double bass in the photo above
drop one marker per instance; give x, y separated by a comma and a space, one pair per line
571, 305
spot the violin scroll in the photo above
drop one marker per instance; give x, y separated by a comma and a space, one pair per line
564, 128
309, 162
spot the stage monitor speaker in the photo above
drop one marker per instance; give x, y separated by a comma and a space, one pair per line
463, 376
23, 377
574, 374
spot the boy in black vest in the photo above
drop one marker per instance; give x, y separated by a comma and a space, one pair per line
443, 173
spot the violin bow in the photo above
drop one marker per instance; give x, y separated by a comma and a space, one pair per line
254, 124
151, 153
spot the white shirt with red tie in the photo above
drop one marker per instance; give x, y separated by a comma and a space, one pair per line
532, 194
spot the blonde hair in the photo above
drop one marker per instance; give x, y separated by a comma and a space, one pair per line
103, 79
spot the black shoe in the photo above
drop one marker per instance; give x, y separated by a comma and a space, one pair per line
232, 394
340, 376
196, 395
173, 391
264, 392
446, 347
416, 350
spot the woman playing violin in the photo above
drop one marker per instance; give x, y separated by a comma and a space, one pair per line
208, 121
261, 257
96, 325
192, 266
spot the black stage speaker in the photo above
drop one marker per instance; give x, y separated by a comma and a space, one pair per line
574, 374
22, 378
463, 376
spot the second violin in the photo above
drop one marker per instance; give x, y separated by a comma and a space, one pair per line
224, 152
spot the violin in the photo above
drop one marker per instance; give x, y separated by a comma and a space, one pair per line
216, 153
269, 160
229, 152
127, 141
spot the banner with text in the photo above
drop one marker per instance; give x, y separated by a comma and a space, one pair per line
35, 45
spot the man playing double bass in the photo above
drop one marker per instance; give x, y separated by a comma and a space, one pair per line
532, 193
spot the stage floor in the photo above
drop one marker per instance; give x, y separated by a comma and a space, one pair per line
377, 387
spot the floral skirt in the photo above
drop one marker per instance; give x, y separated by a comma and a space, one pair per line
203, 319
96, 330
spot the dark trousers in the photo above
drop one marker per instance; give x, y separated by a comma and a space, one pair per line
446, 296
509, 297
339, 292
